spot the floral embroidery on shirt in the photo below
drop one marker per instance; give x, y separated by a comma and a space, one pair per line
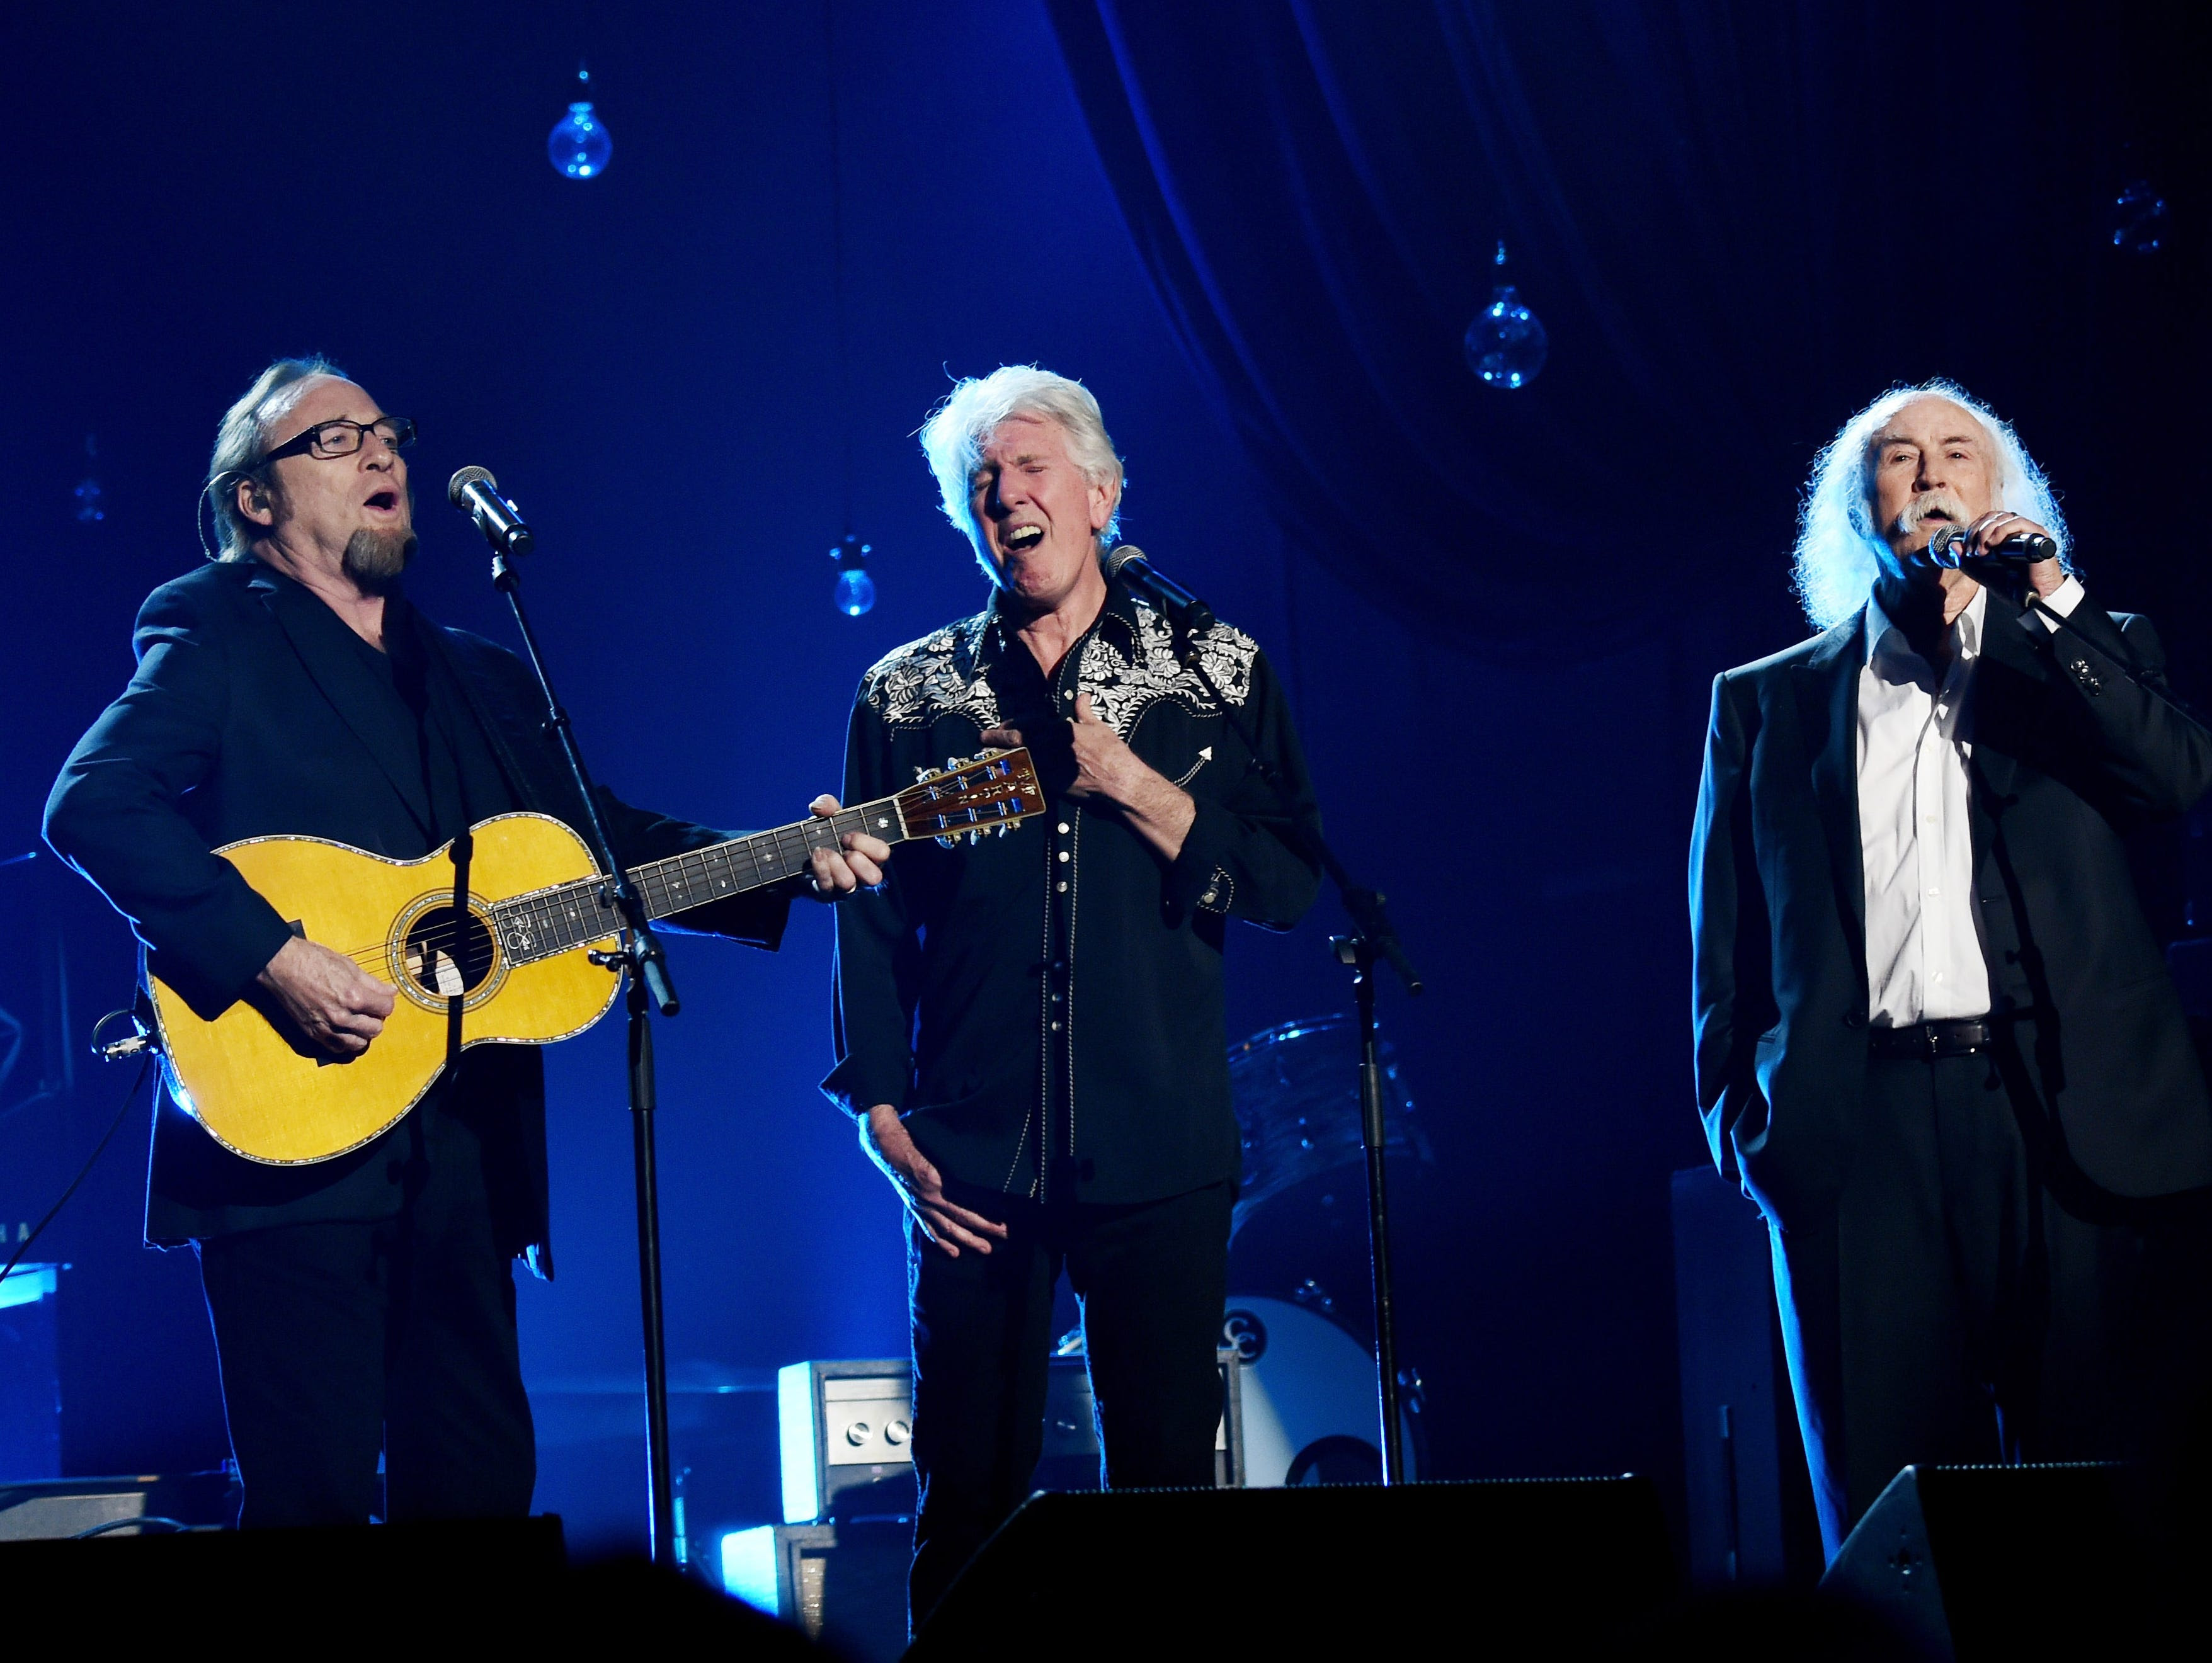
1123, 685
939, 675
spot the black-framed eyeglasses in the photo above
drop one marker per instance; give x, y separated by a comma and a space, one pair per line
340, 437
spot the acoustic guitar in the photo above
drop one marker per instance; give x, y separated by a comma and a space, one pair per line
517, 964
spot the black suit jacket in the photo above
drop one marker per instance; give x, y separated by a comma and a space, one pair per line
2069, 752
253, 713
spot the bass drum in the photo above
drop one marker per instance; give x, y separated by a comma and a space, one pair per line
1308, 1393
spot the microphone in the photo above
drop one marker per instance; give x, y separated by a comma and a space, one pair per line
476, 494
1184, 609
1948, 547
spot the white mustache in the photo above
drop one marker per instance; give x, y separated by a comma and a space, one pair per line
1916, 513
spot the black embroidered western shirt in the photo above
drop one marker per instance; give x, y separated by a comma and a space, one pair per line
1044, 1006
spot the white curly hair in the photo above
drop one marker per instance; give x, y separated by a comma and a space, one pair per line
1839, 546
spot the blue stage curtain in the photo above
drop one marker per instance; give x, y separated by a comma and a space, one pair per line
1738, 222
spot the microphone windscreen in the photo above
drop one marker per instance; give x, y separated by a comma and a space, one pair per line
1121, 555
467, 478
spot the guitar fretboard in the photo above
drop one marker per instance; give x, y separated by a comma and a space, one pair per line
549, 921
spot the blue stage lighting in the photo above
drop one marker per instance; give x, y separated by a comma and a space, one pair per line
578, 144
856, 590
1506, 343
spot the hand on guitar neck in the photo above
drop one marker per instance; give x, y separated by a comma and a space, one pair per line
837, 875
338, 1007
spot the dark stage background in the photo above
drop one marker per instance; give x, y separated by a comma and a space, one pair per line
1256, 231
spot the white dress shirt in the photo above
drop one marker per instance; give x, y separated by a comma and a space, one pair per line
1923, 943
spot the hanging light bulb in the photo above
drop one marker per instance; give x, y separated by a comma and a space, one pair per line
579, 145
91, 500
2138, 218
856, 590
1506, 344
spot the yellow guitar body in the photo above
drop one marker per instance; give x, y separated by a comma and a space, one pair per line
264, 1097
515, 965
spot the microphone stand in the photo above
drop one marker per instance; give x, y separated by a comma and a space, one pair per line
640, 961
1372, 936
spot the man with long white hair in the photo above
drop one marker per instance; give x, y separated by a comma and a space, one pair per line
1936, 1037
1029, 1029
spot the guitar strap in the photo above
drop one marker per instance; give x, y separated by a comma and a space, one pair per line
458, 688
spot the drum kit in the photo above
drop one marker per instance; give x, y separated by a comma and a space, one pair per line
1300, 1313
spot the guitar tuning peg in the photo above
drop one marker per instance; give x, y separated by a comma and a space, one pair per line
974, 838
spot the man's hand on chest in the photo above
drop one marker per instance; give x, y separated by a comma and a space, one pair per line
1108, 774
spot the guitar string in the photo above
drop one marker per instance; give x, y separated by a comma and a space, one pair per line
677, 873
443, 937
774, 868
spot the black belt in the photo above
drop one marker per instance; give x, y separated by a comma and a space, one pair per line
1960, 1037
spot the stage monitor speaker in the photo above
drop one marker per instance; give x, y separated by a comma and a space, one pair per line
494, 1588
2002, 1562
1553, 1566
252, 1587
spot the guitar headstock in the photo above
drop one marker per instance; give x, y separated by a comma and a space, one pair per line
993, 791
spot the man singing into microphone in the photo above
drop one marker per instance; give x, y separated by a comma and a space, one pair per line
362, 1304
1935, 1038
1029, 1029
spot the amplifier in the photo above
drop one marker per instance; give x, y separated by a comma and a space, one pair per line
842, 1582
54, 1507
1071, 1460
846, 1429
30, 1365
845, 1426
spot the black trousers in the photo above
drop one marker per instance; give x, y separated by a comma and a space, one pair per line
1151, 1278
338, 1341
1950, 1309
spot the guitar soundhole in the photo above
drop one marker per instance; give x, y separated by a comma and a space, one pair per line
445, 962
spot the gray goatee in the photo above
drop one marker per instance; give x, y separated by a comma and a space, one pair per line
374, 559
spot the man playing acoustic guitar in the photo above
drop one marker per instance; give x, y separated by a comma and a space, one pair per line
365, 1302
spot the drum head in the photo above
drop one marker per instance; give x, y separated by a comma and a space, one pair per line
1308, 1390
1296, 1090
